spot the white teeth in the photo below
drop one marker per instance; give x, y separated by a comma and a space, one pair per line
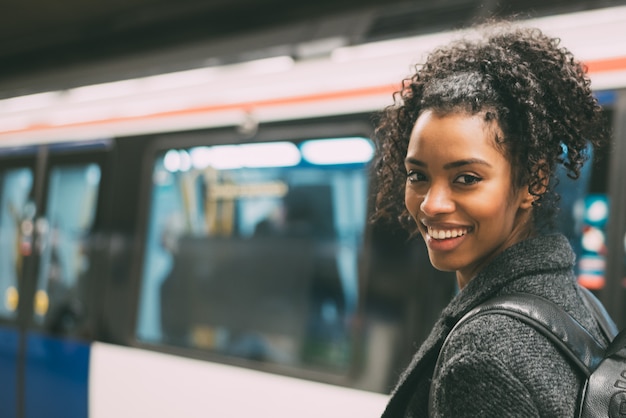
447, 233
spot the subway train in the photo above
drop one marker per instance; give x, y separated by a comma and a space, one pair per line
197, 243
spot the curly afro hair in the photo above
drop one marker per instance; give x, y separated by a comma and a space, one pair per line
519, 78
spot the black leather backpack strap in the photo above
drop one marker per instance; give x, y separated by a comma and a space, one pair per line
608, 327
574, 341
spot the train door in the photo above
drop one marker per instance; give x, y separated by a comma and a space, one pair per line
51, 201
16, 185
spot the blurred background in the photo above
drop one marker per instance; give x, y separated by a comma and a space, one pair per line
185, 189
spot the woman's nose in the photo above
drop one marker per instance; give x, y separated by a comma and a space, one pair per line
437, 200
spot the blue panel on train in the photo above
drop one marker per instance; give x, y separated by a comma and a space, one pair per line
57, 372
606, 97
9, 341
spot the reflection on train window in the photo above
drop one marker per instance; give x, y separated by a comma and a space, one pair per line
253, 250
16, 214
70, 213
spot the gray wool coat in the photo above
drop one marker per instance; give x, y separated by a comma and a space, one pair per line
495, 365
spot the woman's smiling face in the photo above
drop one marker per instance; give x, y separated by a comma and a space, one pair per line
460, 192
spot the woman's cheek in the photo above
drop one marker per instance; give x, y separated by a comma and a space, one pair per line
412, 202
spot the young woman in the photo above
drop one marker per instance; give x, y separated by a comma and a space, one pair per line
466, 160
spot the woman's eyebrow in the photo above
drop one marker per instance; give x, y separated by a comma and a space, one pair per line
413, 161
469, 161
453, 164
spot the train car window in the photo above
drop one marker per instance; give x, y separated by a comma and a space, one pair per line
15, 189
252, 251
70, 211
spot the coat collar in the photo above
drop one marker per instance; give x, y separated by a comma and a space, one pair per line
541, 254
544, 253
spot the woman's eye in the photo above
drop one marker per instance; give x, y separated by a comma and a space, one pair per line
468, 179
415, 176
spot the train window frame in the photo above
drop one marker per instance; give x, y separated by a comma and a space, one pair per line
293, 131
614, 291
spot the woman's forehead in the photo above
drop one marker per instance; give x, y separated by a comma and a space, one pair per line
456, 135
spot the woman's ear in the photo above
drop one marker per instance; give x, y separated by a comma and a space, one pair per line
527, 198
543, 182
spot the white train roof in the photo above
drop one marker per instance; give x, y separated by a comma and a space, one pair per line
351, 79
